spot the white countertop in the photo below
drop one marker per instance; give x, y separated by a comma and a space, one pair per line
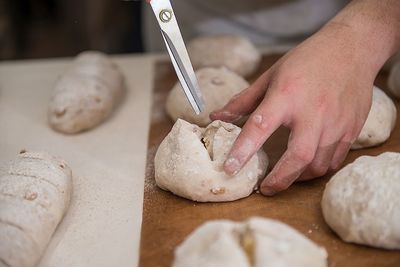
102, 225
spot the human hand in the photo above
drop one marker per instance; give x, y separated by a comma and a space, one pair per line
322, 91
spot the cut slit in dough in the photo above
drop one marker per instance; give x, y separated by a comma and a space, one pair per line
189, 163
257, 242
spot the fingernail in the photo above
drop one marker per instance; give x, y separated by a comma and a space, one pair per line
267, 191
232, 166
215, 114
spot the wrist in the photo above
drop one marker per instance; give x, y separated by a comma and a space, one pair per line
370, 28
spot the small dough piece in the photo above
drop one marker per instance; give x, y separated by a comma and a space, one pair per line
257, 242
86, 94
380, 121
232, 51
361, 202
394, 80
217, 86
34, 196
189, 163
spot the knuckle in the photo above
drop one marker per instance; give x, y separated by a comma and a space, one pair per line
350, 137
322, 102
318, 171
303, 154
257, 121
291, 84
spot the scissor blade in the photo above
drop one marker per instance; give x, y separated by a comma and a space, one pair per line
178, 53
190, 89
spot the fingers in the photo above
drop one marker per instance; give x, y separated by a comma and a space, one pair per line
261, 124
340, 154
243, 103
321, 162
301, 151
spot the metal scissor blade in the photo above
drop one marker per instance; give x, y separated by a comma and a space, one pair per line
184, 78
178, 53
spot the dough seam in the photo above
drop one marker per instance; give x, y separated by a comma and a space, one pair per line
247, 244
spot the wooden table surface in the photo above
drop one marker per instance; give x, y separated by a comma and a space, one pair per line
168, 219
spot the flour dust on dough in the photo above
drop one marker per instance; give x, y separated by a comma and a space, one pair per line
189, 163
217, 86
380, 121
225, 50
361, 202
257, 242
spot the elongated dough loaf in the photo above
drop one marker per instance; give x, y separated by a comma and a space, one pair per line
86, 94
34, 195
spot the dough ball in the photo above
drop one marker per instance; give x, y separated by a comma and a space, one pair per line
86, 94
361, 202
380, 121
258, 242
189, 163
34, 196
217, 86
394, 80
232, 51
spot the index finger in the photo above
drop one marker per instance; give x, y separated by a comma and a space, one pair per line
259, 127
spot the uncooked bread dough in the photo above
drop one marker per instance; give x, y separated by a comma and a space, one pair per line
361, 202
380, 122
232, 51
217, 86
86, 93
258, 242
34, 195
394, 79
189, 163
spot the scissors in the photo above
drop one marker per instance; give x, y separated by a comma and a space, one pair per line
177, 51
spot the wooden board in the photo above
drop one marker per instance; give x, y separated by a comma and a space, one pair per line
168, 219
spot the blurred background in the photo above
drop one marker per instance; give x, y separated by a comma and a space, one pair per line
60, 28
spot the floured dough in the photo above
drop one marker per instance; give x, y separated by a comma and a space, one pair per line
361, 202
189, 163
232, 51
34, 195
380, 122
258, 242
86, 93
394, 79
217, 86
